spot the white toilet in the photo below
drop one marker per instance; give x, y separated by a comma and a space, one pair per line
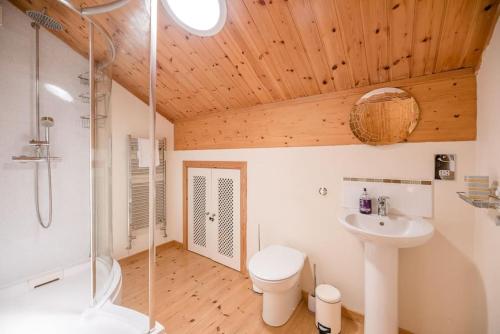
276, 271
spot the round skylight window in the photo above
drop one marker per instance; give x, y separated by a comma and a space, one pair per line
200, 17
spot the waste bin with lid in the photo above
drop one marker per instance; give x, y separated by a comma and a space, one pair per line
328, 309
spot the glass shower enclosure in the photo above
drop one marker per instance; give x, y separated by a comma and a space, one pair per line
57, 267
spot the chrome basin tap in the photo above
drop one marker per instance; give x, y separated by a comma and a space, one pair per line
383, 205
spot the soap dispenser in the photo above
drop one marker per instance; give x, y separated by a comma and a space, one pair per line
365, 203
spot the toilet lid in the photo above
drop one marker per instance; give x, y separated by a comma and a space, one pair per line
276, 263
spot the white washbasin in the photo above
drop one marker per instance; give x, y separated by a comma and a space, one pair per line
382, 237
396, 231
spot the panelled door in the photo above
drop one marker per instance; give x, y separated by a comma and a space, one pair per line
214, 214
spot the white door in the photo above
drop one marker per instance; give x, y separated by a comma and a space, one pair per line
226, 222
199, 187
214, 214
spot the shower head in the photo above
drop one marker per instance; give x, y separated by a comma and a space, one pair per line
47, 121
42, 19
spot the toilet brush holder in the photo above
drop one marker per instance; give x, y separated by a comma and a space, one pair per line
311, 297
311, 303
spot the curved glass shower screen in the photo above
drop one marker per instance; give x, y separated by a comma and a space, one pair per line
99, 124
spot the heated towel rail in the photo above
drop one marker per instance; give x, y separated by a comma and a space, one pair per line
138, 190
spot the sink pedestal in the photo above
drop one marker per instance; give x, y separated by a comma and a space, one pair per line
381, 289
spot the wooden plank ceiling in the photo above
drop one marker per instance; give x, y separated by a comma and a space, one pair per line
447, 103
276, 50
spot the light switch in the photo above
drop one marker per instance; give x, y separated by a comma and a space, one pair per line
444, 166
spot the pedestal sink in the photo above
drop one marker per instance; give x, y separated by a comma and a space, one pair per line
382, 237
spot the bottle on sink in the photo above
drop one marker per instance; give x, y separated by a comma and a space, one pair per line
365, 203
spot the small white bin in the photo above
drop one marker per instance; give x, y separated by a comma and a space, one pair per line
328, 309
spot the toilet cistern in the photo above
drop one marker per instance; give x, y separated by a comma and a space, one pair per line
383, 205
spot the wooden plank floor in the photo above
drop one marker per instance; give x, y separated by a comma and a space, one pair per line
196, 295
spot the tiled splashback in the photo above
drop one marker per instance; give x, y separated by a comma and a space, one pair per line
407, 197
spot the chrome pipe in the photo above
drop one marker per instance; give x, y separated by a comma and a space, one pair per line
93, 132
105, 8
152, 168
36, 26
39, 149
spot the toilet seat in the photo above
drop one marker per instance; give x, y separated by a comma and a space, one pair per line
275, 271
276, 263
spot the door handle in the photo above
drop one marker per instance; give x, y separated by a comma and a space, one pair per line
212, 217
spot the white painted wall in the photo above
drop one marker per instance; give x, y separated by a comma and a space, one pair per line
446, 286
487, 235
438, 281
26, 248
130, 116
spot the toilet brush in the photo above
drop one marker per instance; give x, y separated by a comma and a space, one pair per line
315, 282
311, 298
258, 236
255, 288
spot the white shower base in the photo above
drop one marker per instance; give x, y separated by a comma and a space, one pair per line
63, 306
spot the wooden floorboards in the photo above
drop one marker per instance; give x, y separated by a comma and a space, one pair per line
196, 295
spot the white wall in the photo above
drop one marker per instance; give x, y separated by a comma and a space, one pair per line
487, 234
26, 248
438, 281
130, 117
449, 285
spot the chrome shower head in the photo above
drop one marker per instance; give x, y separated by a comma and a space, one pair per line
42, 19
47, 121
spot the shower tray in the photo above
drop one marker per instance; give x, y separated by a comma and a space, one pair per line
61, 306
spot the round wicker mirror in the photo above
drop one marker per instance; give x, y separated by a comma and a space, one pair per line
384, 116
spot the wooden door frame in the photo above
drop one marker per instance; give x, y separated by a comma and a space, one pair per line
242, 167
